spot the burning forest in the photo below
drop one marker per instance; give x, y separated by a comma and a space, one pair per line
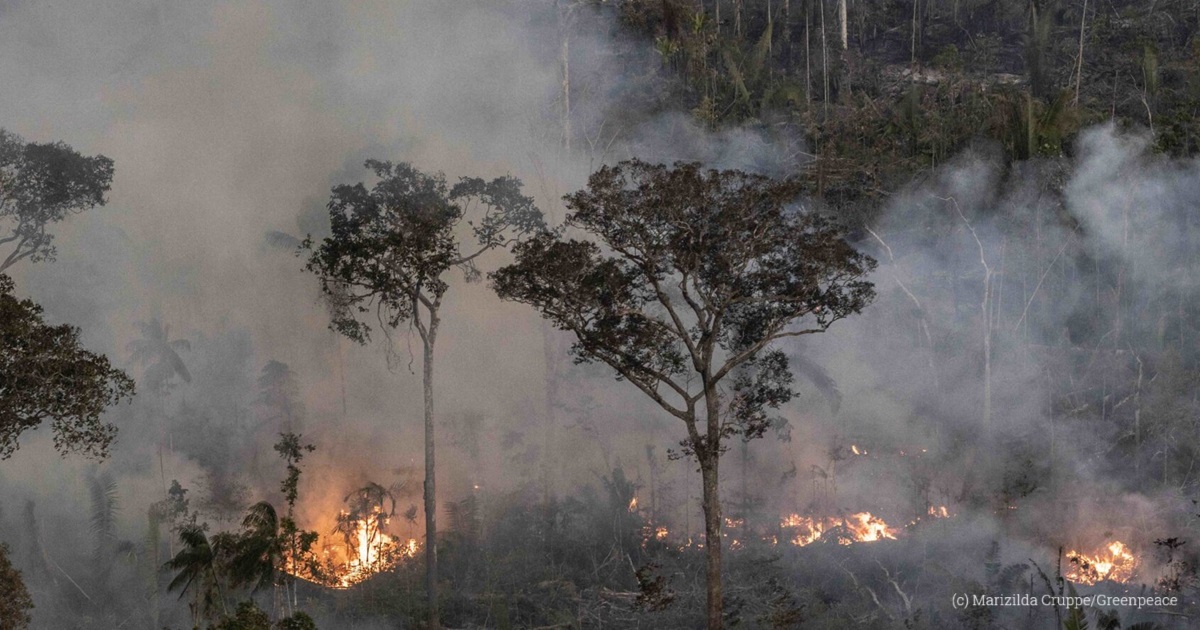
584, 314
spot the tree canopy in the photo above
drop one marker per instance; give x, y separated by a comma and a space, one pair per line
691, 272
390, 245
42, 184
45, 374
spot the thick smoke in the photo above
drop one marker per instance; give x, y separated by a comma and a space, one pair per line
230, 121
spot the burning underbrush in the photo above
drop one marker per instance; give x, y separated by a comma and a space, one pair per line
358, 545
1114, 562
798, 530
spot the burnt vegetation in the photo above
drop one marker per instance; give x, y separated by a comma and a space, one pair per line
917, 319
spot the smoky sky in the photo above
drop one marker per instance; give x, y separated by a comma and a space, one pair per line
229, 120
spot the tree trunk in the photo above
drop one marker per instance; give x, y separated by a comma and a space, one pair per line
712, 539
1079, 59
824, 66
565, 71
843, 23
708, 455
431, 579
807, 55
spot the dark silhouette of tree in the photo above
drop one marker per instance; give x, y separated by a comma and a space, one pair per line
46, 375
199, 570
157, 350
692, 278
42, 184
278, 391
259, 550
385, 262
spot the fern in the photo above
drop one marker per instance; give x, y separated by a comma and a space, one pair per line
105, 507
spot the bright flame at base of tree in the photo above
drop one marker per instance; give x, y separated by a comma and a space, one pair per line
1114, 563
852, 528
357, 550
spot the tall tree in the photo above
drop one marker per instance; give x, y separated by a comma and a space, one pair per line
45, 374
386, 259
691, 280
296, 541
40, 185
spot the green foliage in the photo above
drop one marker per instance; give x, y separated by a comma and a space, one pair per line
263, 539
298, 621
45, 375
199, 567
292, 452
15, 602
259, 550
247, 616
1076, 616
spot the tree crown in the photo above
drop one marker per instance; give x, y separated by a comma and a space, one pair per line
42, 184
691, 275
391, 244
45, 374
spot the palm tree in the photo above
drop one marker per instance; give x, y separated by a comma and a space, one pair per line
198, 564
259, 549
161, 353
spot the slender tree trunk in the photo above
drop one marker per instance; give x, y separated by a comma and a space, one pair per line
824, 64
787, 31
549, 352
431, 568
712, 539
913, 46
709, 458
807, 53
842, 22
565, 70
1079, 59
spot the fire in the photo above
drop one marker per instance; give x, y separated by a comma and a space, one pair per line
939, 511
854, 448
359, 550
1114, 563
860, 527
633, 504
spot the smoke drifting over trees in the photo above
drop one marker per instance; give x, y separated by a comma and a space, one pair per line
1018, 397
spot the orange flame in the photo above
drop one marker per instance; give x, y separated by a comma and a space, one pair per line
364, 550
860, 527
1113, 563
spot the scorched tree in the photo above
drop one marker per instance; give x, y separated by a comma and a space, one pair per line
689, 280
